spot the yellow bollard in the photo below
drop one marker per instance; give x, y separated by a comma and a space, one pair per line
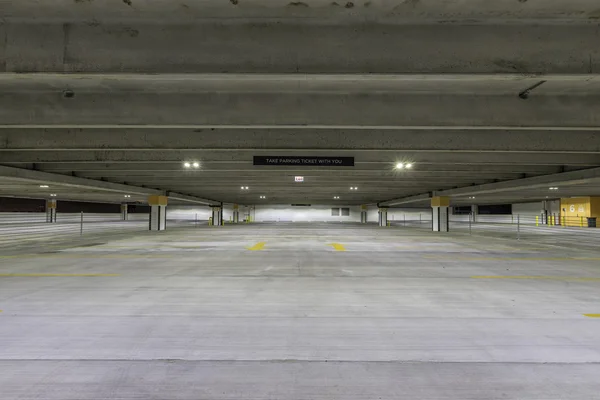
581, 222
537, 220
210, 221
564, 223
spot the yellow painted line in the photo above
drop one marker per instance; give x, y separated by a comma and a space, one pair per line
554, 278
257, 246
55, 275
337, 246
592, 315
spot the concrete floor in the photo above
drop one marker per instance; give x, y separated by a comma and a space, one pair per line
310, 312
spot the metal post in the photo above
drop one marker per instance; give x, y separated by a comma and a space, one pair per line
404, 215
518, 227
81, 225
196, 221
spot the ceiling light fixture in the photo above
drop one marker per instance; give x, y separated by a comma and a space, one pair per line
399, 165
127, 195
44, 186
196, 164
336, 197
263, 197
409, 166
53, 195
553, 188
245, 188
187, 165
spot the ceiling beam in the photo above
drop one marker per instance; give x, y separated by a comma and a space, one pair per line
77, 183
190, 199
406, 200
571, 178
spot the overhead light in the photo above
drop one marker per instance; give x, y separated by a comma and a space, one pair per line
263, 197
336, 197
196, 165
53, 195
245, 187
471, 197
353, 188
553, 188
409, 166
127, 195
399, 165
187, 165
44, 186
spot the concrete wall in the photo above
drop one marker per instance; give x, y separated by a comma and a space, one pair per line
314, 213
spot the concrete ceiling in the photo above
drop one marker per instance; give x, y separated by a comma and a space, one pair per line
99, 91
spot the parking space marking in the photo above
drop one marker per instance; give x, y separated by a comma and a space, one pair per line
592, 315
257, 246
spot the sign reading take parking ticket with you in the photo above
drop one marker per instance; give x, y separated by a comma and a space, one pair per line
305, 161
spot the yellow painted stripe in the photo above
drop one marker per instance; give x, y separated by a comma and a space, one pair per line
337, 246
55, 275
554, 278
257, 246
592, 315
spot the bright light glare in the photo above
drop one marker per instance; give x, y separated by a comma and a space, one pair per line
187, 164
409, 165
399, 165
44, 186
196, 165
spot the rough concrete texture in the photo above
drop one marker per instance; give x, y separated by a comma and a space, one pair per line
301, 312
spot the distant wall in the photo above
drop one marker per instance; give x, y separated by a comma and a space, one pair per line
313, 213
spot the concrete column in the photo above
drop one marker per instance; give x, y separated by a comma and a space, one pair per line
124, 212
474, 212
383, 217
50, 211
363, 214
158, 212
236, 213
217, 215
440, 215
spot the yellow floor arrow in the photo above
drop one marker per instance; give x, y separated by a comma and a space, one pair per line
257, 246
337, 246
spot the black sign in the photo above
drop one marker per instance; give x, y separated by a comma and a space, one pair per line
305, 161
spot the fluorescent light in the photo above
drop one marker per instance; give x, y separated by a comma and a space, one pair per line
196, 165
399, 165
187, 164
409, 165
53, 195
44, 186
246, 187
127, 195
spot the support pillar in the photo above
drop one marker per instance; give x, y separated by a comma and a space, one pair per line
440, 214
158, 212
50, 211
236, 213
217, 215
383, 221
474, 212
124, 212
363, 214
